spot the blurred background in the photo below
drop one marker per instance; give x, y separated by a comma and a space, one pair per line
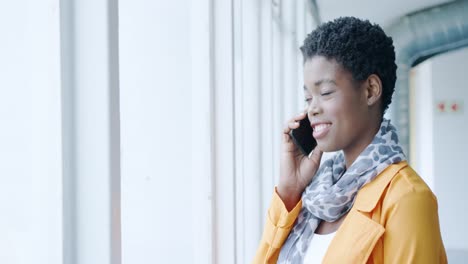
148, 131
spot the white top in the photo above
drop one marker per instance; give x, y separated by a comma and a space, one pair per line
317, 248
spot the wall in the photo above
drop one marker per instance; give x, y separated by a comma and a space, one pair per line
221, 77
446, 132
421, 108
155, 131
205, 88
451, 150
30, 141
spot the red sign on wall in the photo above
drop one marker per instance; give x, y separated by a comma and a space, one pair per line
449, 106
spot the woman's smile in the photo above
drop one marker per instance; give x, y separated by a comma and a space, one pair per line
321, 130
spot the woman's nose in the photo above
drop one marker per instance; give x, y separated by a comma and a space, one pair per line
313, 108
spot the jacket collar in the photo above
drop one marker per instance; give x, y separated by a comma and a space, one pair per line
370, 193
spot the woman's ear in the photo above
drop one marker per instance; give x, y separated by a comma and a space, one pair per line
374, 89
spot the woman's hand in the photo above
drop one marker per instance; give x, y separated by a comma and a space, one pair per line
296, 169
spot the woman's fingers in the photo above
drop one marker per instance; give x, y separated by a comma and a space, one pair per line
293, 123
300, 116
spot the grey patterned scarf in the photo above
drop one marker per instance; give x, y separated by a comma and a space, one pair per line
331, 193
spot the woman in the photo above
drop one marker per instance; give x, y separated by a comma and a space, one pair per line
365, 203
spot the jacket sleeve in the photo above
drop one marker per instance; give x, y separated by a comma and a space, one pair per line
412, 233
278, 224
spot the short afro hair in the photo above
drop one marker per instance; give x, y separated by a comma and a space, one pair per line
360, 47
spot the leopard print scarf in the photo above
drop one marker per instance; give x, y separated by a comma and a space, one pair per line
332, 191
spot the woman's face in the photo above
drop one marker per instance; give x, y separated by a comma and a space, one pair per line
336, 105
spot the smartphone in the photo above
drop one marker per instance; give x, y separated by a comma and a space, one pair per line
302, 136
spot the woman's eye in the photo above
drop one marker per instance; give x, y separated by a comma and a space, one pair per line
307, 100
326, 93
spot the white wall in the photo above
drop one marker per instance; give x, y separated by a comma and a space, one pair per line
234, 69
30, 141
451, 149
90, 117
195, 180
155, 131
441, 145
16, 152
422, 117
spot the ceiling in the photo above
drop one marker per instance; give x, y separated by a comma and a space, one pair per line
383, 13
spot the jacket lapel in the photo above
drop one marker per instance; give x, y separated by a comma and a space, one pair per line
356, 238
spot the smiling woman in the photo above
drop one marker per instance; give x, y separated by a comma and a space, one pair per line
366, 197
344, 114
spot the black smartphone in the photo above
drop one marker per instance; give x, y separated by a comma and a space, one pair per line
302, 136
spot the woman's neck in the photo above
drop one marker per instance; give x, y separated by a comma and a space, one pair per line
352, 152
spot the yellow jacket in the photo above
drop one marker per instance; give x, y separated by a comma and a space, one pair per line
394, 219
